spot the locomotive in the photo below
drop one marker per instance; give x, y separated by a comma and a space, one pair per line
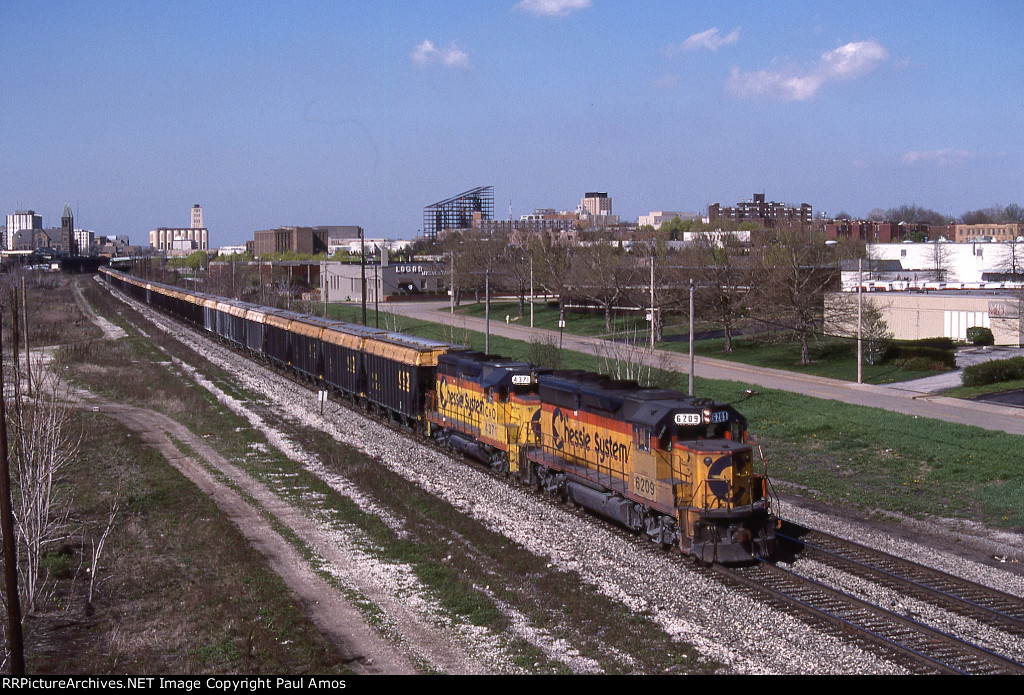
676, 468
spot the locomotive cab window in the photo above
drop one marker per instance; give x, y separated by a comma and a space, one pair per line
642, 438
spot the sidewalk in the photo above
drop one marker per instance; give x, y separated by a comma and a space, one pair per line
965, 357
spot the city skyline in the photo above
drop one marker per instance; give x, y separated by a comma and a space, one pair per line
346, 113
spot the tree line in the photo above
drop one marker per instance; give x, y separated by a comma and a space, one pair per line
776, 278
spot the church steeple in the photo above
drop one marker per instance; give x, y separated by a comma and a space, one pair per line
67, 231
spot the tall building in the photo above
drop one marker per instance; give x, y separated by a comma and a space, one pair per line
767, 214
67, 231
197, 217
596, 204
21, 219
84, 239
459, 212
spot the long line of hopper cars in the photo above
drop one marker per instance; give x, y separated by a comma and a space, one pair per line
678, 469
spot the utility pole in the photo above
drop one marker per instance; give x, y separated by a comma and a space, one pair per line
24, 322
691, 336
487, 311
531, 289
860, 321
652, 302
362, 268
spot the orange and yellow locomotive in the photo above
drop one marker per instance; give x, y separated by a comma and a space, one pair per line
676, 468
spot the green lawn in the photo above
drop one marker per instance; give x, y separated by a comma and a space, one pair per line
546, 316
975, 391
830, 357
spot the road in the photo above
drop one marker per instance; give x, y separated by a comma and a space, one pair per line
902, 398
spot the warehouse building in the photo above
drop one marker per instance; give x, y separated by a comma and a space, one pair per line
938, 314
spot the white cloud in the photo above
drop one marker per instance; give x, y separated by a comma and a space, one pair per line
853, 60
710, 40
427, 54
552, 8
944, 157
764, 83
847, 62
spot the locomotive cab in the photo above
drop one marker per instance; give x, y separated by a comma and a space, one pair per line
727, 515
482, 405
692, 461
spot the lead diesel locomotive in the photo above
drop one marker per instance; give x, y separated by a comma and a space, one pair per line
678, 469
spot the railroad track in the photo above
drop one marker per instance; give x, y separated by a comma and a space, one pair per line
919, 647
955, 594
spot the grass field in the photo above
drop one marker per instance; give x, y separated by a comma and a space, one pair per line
830, 357
177, 589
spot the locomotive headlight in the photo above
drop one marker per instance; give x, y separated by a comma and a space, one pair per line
707, 416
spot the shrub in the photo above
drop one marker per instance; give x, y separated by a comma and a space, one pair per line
994, 372
937, 350
979, 335
920, 364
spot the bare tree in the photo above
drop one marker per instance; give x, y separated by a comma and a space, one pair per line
841, 320
1012, 261
474, 256
626, 359
661, 276
723, 272
518, 261
939, 259
97, 548
43, 442
556, 256
793, 274
603, 274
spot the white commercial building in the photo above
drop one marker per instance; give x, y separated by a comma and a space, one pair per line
21, 219
938, 289
969, 263
660, 217
195, 236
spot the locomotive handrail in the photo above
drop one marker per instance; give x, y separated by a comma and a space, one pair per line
703, 489
770, 495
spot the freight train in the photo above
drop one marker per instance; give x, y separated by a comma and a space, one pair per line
677, 469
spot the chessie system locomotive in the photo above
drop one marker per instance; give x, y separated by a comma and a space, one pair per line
677, 469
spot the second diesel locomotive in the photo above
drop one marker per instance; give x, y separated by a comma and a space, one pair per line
678, 469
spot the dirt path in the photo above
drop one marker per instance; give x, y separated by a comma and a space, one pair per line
361, 648
110, 331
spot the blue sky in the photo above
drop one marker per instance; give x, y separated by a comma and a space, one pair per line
271, 114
